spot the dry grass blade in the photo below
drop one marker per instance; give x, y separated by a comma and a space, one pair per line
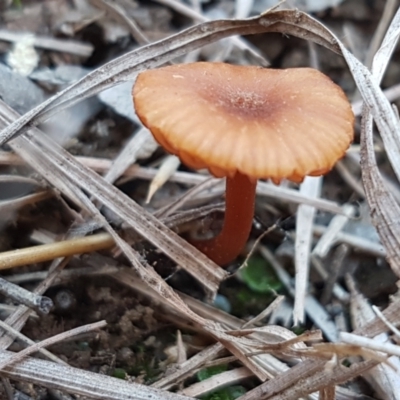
384, 209
125, 67
304, 226
79, 382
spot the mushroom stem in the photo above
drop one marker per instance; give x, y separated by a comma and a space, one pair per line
239, 212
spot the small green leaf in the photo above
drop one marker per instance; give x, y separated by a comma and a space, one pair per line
259, 276
119, 373
211, 371
229, 393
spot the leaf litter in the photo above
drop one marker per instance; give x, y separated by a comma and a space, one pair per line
283, 371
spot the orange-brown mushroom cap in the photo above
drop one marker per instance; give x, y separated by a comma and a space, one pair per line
263, 123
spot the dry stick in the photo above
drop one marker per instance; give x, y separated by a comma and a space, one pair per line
23, 296
12, 332
52, 340
46, 252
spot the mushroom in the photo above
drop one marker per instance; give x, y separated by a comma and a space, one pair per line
245, 123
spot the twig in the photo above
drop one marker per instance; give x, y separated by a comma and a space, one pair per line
46, 252
23, 296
